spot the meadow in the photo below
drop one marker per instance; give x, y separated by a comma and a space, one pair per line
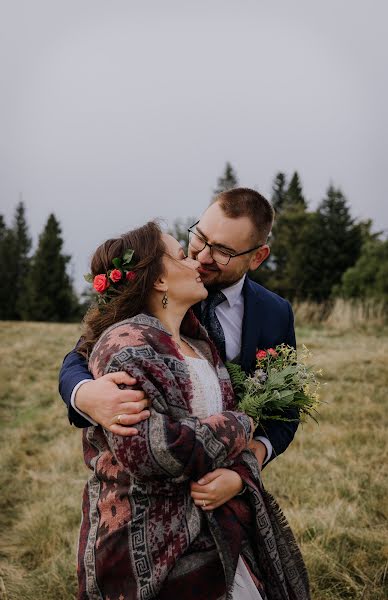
331, 482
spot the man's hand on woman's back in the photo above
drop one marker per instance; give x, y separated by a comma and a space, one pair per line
115, 409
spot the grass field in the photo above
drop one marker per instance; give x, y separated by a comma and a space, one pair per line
331, 482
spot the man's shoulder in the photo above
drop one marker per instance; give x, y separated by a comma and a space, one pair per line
264, 294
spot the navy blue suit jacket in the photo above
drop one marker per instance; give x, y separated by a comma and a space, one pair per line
268, 321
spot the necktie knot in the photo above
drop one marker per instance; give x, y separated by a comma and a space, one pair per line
214, 299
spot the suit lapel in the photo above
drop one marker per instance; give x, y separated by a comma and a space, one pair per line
252, 325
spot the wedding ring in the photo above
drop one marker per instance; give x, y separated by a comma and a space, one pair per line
118, 419
204, 503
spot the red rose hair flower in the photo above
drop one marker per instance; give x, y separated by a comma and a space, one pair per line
115, 275
100, 283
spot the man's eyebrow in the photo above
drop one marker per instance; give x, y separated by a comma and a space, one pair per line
218, 245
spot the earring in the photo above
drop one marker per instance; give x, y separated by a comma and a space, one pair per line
165, 300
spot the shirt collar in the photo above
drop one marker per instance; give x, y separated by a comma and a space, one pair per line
233, 292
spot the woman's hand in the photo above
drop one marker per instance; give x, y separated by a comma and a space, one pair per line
259, 450
216, 488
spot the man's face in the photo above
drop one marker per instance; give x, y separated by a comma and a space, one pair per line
234, 235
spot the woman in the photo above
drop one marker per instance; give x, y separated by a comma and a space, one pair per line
143, 534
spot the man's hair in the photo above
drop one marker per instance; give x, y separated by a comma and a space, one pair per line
244, 202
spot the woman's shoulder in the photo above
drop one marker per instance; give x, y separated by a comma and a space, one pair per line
129, 333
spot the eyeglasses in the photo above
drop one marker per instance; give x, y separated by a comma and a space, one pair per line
219, 255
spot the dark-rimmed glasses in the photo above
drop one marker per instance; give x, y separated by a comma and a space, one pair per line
218, 254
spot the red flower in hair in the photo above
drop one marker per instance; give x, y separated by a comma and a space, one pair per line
131, 276
115, 275
100, 283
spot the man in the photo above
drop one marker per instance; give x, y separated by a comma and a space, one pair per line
241, 317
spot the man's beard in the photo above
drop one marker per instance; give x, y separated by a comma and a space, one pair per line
224, 282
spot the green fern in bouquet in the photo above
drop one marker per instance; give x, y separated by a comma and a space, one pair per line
280, 382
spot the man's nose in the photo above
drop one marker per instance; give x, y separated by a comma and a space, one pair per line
205, 257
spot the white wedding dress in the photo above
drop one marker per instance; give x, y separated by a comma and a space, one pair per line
207, 400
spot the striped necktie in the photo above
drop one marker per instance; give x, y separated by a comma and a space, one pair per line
211, 322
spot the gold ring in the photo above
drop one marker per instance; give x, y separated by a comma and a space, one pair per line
204, 503
118, 419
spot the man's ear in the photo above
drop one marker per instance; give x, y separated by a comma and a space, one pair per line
161, 285
259, 257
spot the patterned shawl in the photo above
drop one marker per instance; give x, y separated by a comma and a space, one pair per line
142, 537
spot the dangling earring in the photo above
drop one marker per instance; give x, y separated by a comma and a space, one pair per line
165, 300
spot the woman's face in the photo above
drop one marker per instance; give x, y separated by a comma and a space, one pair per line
183, 280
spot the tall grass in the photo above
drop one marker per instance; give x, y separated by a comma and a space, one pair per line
343, 314
331, 482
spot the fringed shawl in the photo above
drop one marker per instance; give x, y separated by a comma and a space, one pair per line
142, 537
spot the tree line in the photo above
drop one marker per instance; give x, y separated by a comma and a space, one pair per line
316, 255
35, 287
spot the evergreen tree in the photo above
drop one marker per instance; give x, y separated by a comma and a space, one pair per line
3, 228
284, 271
50, 296
279, 192
8, 275
227, 181
15, 245
23, 247
334, 244
294, 196
8, 271
289, 253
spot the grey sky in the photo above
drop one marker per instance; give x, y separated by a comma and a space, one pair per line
115, 112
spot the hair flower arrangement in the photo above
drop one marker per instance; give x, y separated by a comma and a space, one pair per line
106, 284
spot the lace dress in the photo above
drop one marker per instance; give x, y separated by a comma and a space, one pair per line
207, 401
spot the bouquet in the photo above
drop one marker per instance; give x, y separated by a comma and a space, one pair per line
279, 382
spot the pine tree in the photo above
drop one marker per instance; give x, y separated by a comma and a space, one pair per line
50, 294
288, 252
15, 245
295, 196
8, 271
227, 181
3, 228
23, 247
279, 192
334, 244
284, 272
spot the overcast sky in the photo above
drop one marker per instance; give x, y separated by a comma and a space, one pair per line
114, 112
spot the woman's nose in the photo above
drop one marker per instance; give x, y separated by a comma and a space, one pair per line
194, 263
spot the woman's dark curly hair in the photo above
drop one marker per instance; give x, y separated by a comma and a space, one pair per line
131, 298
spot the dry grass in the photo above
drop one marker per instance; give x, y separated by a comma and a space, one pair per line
332, 481
343, 314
